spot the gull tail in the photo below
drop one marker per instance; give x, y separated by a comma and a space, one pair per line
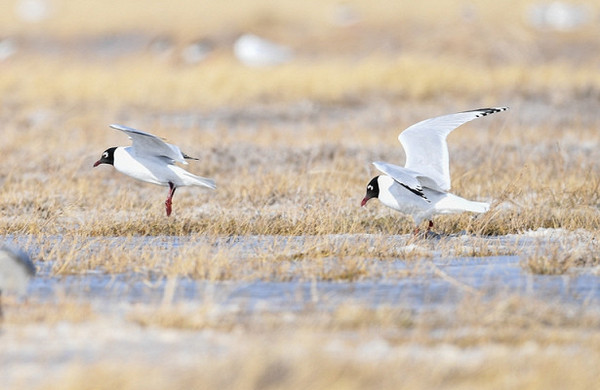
477, 207
189, 179
455, 204
202, 181
192, 180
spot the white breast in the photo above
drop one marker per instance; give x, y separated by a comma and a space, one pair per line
151, 170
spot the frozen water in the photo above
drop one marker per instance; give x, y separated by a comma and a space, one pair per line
429, 283
37, 352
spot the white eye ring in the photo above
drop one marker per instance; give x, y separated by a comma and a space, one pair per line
104, 154
370, 187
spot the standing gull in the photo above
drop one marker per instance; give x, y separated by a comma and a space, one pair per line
420, 188
152, 160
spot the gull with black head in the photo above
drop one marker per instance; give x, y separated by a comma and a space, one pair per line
420, 188
152, 160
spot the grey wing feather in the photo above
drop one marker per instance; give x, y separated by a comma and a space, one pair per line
405, 177
146, 144
400, 174
425, 144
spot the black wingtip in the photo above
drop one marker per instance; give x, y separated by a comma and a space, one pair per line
189, 157
487, 111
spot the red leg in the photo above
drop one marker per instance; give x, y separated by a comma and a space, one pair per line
429, 226
169, 200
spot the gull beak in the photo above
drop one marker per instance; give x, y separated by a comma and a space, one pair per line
97, 163
364, 201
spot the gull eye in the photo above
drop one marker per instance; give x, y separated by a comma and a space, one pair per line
105, 155
370, 187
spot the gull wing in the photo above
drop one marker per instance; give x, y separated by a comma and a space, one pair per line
405, 177
426, 149
400, 174
149, 145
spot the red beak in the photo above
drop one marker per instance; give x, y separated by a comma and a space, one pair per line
364, 201
97, 163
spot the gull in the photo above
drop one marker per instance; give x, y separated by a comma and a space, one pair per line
16, 269
420, 188
254, 51
152, 160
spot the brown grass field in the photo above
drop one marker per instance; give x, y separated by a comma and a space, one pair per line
290, 148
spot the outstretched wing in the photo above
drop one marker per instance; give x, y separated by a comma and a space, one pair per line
149, 145
425, 144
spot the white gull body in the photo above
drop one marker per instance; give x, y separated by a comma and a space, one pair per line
152, 160
421, 188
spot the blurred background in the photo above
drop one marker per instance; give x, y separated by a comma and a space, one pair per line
201, 55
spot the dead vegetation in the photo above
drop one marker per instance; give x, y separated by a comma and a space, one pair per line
482, 343
290, 148
312, 190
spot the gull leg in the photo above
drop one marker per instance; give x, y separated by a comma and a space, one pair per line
428, 232
416, 232
169, 200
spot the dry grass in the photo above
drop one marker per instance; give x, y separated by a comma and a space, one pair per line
506, 320
324, 371
285, 190
290, 148
225, 82
506, 342
385, 55
482, 343
327, 372
268, 258
562, 255
290, 168
23, 313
